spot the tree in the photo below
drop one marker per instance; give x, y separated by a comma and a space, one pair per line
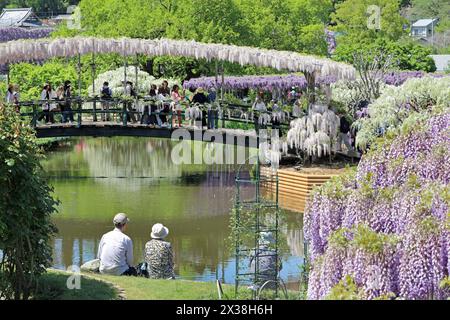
352, 18
26, 206
406, 55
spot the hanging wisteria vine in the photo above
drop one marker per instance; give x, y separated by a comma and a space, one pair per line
316, 133
42, 49
387, 224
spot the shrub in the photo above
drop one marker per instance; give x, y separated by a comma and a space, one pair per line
26, 206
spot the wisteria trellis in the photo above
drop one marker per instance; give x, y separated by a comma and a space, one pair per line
42, 49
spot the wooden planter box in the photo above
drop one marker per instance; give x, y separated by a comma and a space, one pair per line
294, 187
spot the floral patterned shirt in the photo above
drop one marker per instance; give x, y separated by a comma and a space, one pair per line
159, 257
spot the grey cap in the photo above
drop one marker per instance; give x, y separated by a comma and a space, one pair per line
121, 218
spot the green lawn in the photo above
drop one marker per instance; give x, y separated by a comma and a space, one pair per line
98, 287
53, 286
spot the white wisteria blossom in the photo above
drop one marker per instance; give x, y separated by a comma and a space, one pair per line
44, 49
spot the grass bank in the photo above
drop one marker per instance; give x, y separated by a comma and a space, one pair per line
53, 286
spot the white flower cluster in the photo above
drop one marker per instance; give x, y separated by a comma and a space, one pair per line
315, 134
44, 49
116, 77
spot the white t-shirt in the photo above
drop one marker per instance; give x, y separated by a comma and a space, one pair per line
259, 106
11, 96
115, 252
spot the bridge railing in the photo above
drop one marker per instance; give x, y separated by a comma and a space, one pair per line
131, 111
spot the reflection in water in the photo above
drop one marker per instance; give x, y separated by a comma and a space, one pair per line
96, 178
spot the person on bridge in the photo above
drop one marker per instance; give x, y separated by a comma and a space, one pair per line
115, 250
47, 95
259, 106
159, 255
201, 99
12, 96
164, 89
344, 133
106, 96
67, 113
176, 106
130, 92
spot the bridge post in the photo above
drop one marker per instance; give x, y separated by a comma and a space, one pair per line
35, 116
80, 106
124, 114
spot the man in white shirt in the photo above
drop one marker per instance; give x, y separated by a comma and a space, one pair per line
115, 250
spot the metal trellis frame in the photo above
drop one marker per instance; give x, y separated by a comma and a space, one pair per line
263, 217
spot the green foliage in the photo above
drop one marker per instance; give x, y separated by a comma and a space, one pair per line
31, 78
389, 113
26, 206
346, 289
407, 55
371, 241
352, 17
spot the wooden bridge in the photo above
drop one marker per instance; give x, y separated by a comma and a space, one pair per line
88, 122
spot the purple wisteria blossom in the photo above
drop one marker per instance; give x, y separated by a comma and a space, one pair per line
386, 225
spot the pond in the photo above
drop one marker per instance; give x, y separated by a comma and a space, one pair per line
95, 178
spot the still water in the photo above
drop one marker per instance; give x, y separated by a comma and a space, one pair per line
95, 178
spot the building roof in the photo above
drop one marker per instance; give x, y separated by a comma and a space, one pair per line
20, 17
423, 22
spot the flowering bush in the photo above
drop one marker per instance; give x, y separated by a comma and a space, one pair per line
117, 76
268, 83
14, 33
386, 225
417, 96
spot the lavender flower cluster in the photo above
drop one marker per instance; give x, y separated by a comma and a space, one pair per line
330, 37
14, 33
286, 82
386, 225
399, 78
268, 83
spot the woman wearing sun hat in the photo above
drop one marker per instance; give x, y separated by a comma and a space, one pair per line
159, 255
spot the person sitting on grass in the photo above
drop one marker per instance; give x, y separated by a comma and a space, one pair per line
159, 255
115, 250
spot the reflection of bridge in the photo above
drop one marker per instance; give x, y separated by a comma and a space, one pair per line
86, 122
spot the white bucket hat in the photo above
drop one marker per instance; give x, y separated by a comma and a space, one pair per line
159, 231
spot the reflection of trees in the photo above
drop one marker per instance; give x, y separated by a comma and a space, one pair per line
130, 157
198, 244
195, 205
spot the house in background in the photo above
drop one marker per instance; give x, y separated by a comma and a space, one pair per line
22, 18
424, 28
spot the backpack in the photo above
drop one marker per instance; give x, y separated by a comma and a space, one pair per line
106, 93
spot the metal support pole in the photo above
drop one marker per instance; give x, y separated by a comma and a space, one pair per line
79, 75
223, 82
136, 70
93, 85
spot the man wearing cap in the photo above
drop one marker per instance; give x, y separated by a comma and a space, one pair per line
115, 250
